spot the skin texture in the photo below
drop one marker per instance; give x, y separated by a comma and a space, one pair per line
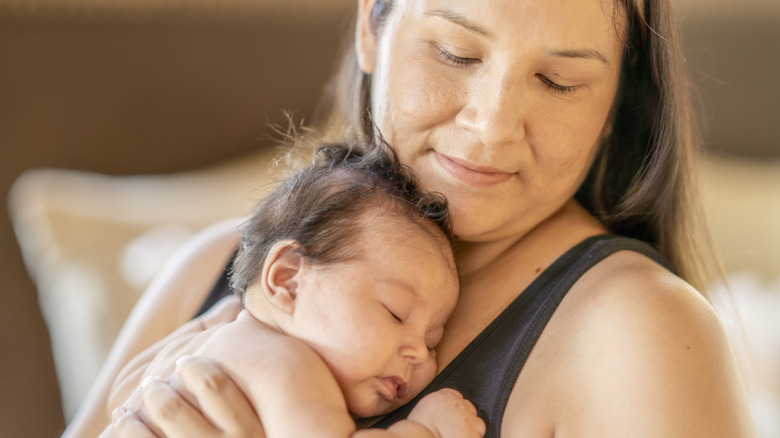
492, 107
166, 306
374, 319
316, 343
477, 99
633, 350
506, 149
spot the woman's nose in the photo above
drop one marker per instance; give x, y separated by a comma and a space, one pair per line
495, 109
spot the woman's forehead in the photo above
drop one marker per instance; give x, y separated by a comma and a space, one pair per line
512, 10
563, 24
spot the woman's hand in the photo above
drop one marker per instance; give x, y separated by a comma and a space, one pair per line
223, 409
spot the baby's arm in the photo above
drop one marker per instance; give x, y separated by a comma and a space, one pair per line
294, 393
441, 414
286, 383
169, 302
160, 358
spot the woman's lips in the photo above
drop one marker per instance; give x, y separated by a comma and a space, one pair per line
470, 173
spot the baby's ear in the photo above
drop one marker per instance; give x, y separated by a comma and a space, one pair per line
280, 274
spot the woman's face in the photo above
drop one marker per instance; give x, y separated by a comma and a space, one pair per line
499, 105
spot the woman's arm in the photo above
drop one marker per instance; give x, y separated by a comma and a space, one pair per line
171, 300
161, 356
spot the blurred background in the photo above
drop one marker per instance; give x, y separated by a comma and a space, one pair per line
126, 126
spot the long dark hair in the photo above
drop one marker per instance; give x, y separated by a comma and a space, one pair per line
643, 181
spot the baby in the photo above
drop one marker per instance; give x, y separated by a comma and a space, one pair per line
347, 277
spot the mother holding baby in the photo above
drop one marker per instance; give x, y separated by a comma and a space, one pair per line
561, 134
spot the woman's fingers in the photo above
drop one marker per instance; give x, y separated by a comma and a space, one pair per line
172, 414
223, 409
220, 399
126, 425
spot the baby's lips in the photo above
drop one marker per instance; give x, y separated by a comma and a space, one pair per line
403, 387
395, 387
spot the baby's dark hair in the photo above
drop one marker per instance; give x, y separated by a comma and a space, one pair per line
324, 207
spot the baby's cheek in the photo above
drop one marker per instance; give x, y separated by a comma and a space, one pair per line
421, 377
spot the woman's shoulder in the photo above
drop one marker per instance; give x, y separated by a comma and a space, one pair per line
216, 241
632, 302
643, 349
627, 283
631, 307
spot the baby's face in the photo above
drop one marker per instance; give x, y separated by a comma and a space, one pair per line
376, 319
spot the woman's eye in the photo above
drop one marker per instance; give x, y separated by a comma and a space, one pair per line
556, 88
451, 59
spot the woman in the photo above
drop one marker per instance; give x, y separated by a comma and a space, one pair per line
546, 124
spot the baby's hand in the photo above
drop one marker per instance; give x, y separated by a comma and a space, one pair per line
448, 415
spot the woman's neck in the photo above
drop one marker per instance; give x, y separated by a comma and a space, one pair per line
559, 232
492, 274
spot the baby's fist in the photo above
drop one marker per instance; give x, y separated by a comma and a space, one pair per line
448, 415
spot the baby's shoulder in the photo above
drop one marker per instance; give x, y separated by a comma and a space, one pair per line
247, 344
268, 366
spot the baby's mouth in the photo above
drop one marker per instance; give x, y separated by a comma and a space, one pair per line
395, 387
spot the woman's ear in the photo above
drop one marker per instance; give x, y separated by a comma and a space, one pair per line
281, 274
366, 30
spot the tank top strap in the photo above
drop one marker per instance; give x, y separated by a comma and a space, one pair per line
541, 300
220, 289
486, 370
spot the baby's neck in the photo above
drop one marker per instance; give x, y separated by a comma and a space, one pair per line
263, 316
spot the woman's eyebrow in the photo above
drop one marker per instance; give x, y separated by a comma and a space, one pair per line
460, 20
581, 54
464, 22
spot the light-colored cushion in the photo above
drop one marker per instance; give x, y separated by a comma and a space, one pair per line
93, 242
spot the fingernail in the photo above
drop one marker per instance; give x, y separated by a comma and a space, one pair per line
148, 380
181, 360
118, 413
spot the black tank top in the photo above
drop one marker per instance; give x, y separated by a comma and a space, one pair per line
486, 370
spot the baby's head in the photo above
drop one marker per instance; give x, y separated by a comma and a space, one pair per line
355, 260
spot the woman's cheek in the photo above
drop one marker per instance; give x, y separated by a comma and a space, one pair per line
571, 130
425, 97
